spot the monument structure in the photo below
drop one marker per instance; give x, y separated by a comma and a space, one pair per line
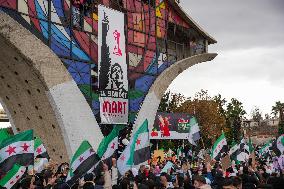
49, 64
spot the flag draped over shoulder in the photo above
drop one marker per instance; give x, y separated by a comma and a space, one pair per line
220, 148
194, 131
17, 149
137, 151
40, 151
265, 149
13, 176
82, 161
278, 145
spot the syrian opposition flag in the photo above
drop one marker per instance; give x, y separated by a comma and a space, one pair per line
40, 151
265, 149
194, 131
82, 161
137, 151
234, 152
13, 176
109, 145
220, 148
17, 149
243, 152
278, 145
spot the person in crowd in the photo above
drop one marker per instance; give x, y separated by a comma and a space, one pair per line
185, 173
200, 182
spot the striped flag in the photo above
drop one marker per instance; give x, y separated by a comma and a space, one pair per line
194, 131
265, 149
243, 152
279, 145
109, 145
137, 151
220, 148
13, 176
82, 161
17, 149
40, 151
234, 152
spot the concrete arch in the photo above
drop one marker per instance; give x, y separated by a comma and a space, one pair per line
38, 93
151, 103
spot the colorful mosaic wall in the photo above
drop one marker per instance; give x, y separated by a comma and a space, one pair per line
151, 43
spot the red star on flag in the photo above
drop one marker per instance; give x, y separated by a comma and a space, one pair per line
122, 158
25, 147
17, 176
12, 182
81, 159
11, 150
138, 141
112, 146
219, 146
38, 150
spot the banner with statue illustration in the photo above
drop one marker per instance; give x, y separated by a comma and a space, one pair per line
171, 126
112, 67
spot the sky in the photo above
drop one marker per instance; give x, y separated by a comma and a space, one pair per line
250, 47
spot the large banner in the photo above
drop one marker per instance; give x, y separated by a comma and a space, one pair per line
112, 72
170, 126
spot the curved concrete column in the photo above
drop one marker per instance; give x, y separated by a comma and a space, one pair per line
38, 93
151, 103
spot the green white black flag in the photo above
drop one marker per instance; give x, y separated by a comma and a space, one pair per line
137, 151
13, 176
84, 159
234, 152
17, 149
39, 148
109, 144
220, 148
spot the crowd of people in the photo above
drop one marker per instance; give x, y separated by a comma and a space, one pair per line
185, 173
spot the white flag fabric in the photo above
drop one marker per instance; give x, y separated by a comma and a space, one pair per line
194, 131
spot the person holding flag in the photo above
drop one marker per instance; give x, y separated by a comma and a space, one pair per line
220, 148
109, 145
137, 151
13, 176
84, 160
194, 131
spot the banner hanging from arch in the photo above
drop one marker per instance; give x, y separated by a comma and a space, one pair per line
112, 67
171, 126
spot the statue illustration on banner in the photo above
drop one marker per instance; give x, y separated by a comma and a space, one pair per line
113, 82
